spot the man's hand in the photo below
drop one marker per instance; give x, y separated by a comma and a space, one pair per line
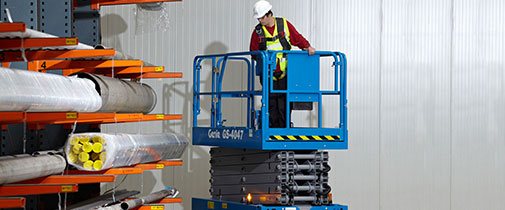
311, 50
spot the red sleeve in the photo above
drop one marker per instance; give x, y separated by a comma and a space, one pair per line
254, 45
296, 38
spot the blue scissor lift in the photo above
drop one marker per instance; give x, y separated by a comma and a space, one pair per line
303, 86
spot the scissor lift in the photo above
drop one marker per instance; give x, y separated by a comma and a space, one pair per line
303, 86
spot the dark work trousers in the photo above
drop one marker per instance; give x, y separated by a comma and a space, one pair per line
277, 105
276, 101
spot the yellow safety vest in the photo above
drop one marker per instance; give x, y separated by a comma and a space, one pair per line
279, 40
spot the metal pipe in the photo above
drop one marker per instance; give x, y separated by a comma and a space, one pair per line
305, 177
130, 204
308, 166
302, 156
122, 96
305, 156
102, 200
24, 167
304, 198
323, 188
133, 203
288, 178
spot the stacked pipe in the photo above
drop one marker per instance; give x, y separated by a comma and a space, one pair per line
122, 96
99, 151
15, 168
270, 177
41, 92
30, 91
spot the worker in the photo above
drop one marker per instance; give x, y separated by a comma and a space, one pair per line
276, 33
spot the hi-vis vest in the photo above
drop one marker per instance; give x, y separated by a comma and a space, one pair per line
277, 41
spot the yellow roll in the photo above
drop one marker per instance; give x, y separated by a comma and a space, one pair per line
84, 139
76, 148
72, 158
83, 156
97, 139
74, 140
102, 156
88, 165
87, 147
97, 147
97, 165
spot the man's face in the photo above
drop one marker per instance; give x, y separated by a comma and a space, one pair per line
263, 20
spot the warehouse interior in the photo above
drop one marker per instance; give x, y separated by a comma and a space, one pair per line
423, 108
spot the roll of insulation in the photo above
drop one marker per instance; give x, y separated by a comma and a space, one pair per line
118, 150
23, 167
122, 96
23, 90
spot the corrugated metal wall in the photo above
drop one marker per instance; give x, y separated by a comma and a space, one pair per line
426, 92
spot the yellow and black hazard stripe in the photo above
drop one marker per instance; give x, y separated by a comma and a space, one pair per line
304, 138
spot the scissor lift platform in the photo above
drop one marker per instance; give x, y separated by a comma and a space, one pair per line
303, 86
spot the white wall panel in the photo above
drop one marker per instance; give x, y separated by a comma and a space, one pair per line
415, 105
478, 117
425, 87
353, 27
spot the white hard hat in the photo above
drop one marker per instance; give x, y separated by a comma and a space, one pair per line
261, 8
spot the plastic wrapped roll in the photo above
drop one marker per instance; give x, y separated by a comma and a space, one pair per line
99, 151
122, 96
30, 91
23, 167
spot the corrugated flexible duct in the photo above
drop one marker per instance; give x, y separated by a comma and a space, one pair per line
122, 96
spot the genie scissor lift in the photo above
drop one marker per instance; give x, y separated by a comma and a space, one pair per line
257, 167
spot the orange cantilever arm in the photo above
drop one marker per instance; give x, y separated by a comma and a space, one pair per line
12, 27
66, 117
12, 202
159, 164
170, 200
71, 179
44, 118
76, 64
11, 117
151, 207
150, 166
36, 43
152, 117
36, 189
13, 56
112, 171
158, 75
96, 4
171, 162
120, 72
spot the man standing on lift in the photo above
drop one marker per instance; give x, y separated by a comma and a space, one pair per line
276, 33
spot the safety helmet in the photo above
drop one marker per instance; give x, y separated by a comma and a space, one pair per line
261, 8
